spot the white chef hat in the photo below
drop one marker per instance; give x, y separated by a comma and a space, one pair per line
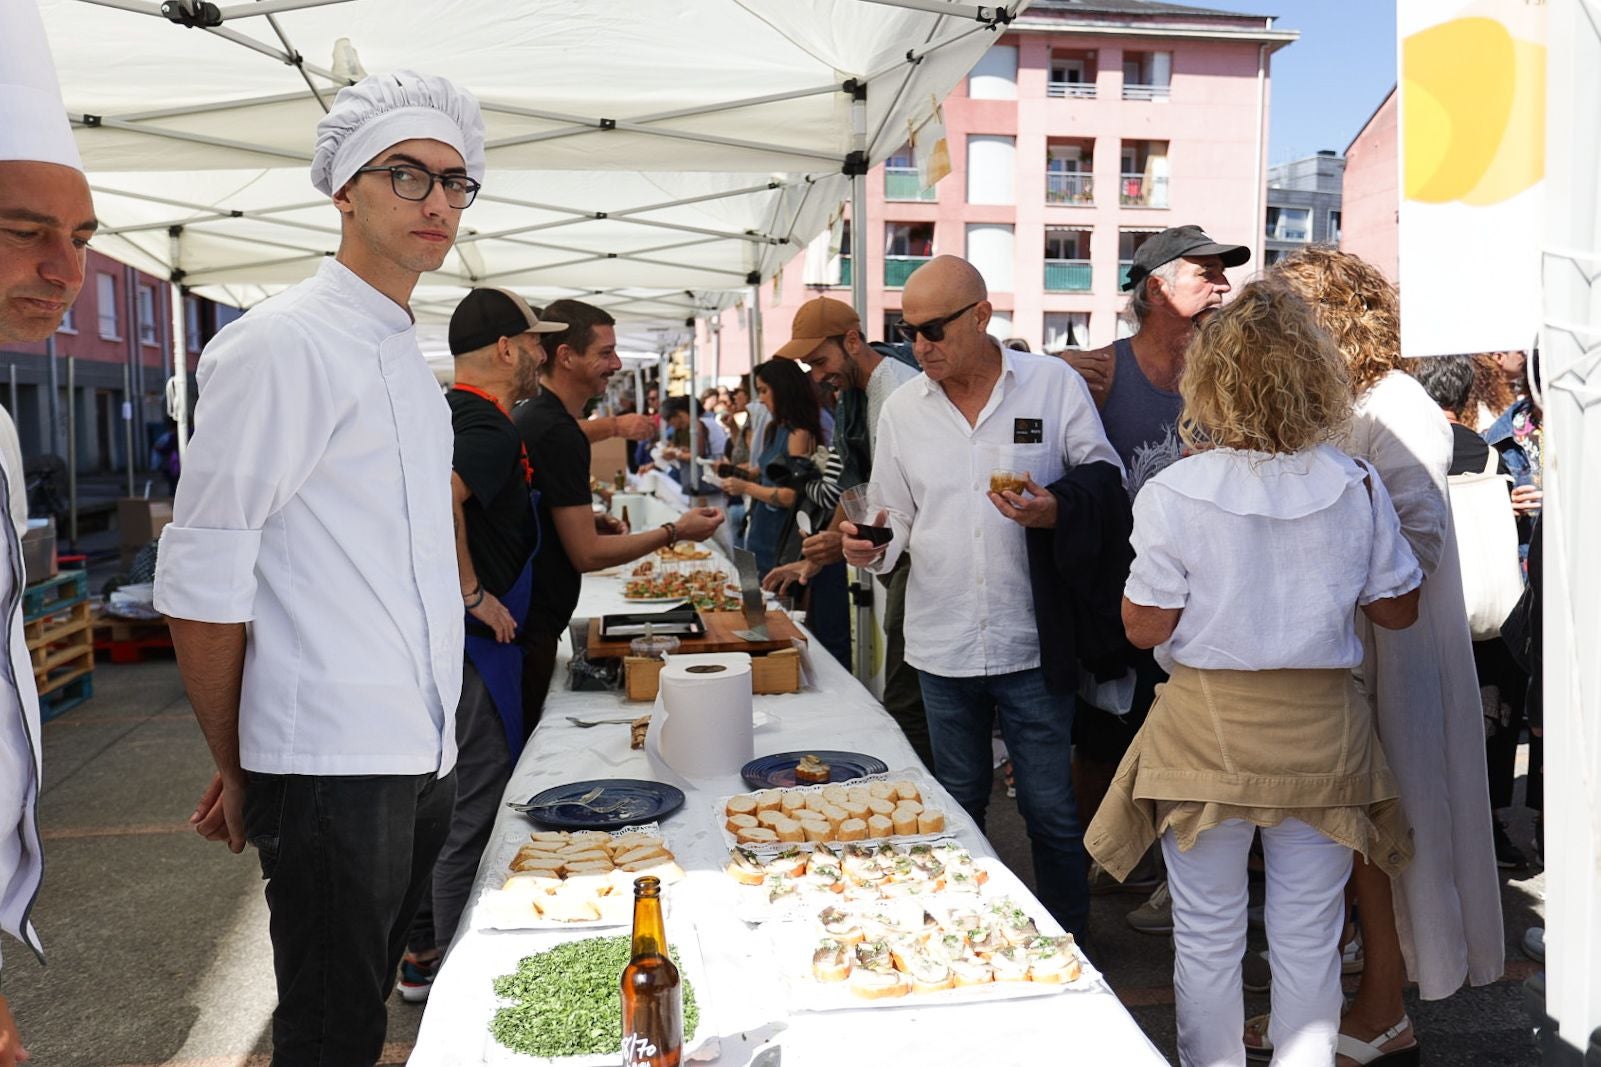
384, 109
33, 121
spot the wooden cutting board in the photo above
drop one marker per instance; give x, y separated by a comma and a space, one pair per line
720, 628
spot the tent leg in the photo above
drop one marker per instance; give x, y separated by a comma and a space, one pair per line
72, 452
755, 326
178, 384
862, 582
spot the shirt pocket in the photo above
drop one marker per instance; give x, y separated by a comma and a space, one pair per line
1041, 462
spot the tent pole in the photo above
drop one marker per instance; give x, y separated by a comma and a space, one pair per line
127, 423
755, 326
862, 585
691, 468
178, 384
72, 452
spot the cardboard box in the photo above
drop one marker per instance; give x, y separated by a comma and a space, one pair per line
39, 550
140, 521
774, 672
607, 458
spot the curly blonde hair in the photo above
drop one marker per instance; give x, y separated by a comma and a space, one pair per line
1490, 387
1261, 376
1356, 305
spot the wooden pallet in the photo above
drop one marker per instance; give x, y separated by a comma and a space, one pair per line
54, 595
131, 640
66, 696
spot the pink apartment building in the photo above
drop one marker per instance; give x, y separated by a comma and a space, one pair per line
1372, 200
1089, 125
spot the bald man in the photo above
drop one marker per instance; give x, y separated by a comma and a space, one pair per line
970, 602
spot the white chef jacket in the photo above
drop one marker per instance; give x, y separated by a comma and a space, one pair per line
21, 855
315, 505
969, 604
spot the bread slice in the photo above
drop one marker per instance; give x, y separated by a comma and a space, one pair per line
759, 835
531, 883
642, 852
877, 985
588, 867
856, 809
930, 821
881, 807
664, 867
852, 830
880, 790
742, 804
789, 830
736, 823
834, 794
858, 793
770, 817
790, 803
744, 868
569, 908
768, 800
817, 831
554, 837
905, 821
879, 826
551, 864
905, 790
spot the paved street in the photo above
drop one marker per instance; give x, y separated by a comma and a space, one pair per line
157, 940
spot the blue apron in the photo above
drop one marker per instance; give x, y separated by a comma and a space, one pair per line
501, 665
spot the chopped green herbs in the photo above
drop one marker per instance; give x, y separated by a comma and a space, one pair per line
568, 1001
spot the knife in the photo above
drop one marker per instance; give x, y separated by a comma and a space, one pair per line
751, 592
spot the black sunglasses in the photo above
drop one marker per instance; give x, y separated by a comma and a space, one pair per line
933, 329
415, 183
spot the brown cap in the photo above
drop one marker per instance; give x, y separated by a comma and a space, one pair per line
815, 322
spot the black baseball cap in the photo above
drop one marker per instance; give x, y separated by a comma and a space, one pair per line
1176, 242
484, 316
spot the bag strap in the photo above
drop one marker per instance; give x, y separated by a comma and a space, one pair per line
1491, 460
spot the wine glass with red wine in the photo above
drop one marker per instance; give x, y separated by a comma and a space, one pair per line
864, 507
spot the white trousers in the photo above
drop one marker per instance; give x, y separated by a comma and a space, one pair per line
1306, 876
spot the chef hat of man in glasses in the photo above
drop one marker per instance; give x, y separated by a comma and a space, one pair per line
385, 109
33, 122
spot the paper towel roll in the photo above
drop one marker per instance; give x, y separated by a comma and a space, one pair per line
705, 726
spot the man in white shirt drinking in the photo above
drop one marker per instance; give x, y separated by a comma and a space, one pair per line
315, 507
970, 626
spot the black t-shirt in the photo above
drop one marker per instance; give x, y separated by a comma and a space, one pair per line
500, 521
559, 452
1470, 452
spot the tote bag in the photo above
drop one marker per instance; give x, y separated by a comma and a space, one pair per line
1487, 540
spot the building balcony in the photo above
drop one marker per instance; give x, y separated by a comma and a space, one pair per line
1123, 268
1146, 92
1070, 90
844, 272
1067, 275
1069, 187
898, 268
902, 183
1136, 190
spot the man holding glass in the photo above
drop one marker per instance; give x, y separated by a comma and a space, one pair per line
970, 621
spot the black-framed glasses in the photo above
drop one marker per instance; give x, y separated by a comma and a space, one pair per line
415, 183
933, 329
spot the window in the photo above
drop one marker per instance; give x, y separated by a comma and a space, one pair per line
191, 324
1143, 179
907, 246
1067, 171
106, 298
891, 317
1289, 223
991, 177
147, 315
1066, 329
1271, 256
1067, 260
994, 76
1000, 325
1072, 74
1128, 243
1147, 75
1066, 243
900, 177
1334, 228
990, 249
69, 321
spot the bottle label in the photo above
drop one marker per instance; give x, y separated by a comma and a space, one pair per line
639, 1051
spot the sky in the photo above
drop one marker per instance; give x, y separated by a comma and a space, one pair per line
1325, 85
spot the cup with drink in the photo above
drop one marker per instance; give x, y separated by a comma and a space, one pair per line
864, 506
1004, 481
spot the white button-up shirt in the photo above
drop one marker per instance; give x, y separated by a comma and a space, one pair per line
315, 505
969, 605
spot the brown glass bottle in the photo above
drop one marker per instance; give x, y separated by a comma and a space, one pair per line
653, 1010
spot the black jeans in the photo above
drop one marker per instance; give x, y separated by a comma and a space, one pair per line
483, 766
539, 670
346, 859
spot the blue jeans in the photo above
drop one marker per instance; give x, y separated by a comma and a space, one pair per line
1038, 728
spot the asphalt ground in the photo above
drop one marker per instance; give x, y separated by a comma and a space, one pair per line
157, 940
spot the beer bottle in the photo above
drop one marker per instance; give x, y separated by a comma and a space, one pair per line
627, 526
652, 996
620, 480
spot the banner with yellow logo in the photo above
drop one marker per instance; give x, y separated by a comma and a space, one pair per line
1472, 158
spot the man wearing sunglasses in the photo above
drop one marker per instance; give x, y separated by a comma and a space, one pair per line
310, 571
970, 603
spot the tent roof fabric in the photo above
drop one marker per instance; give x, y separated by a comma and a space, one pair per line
677, 152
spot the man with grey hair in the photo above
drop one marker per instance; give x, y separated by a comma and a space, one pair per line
1176, 280
310, 571
46, 220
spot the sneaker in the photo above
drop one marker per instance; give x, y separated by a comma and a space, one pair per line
1508, 856
1155, 916
416, 978
1534, 943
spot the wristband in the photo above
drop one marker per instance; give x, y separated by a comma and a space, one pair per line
470, 604
672, 533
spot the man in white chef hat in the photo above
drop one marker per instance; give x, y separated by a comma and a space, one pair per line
310, 571
46, 220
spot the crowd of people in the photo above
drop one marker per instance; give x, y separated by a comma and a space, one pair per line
1216, 597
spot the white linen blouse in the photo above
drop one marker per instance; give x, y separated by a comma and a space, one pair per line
1268, 555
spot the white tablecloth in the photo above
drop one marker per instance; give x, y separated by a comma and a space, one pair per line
740, 994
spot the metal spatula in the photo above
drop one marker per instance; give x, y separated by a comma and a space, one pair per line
750, 590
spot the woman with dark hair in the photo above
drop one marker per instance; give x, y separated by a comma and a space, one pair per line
794, 429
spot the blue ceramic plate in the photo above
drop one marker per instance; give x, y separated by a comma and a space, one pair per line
621, 802
778, 770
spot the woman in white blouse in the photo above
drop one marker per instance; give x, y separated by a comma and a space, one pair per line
1252, 556
1443, 915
